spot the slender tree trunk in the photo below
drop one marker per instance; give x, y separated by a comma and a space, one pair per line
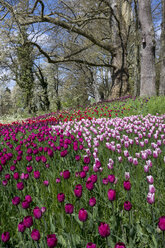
148, 74
162, 57
137, 54
95, 87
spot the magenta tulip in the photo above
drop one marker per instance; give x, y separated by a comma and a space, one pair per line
51, 240
161, 223
127, 205
35, 235
104, 230
82, 215
5, 237
37, 213
28, 221
69, 208
111, 195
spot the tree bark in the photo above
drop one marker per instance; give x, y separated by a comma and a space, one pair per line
137, 54
119, 27
95, 87
162, 57
148, 74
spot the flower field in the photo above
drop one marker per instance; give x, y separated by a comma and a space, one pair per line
93, 177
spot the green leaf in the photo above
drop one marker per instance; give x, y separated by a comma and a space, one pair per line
154, 241
62, 241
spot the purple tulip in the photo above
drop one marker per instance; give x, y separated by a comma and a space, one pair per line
16, 200
21, 227
60, 197
28, 221
111, 195
28, 198
120, 245
20, 186
36, 174
66, 174
51, 240
69, 208
82, 215
25, 204
127, 205
111, 178
35, 235
91, 245
5, 237
161, 223
127, 185
92, 201
37, 213
104, 230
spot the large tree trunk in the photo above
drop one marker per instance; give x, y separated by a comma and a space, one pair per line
148, 74
119, 23
162, 57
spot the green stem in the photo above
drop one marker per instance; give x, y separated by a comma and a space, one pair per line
108, 245
112, 208
38, 246
71, 230
163, 241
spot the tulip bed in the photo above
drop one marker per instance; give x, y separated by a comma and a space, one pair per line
81, 179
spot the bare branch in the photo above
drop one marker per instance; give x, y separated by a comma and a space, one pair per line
79, 51
42, 7
1, 19
64, 60
69, 27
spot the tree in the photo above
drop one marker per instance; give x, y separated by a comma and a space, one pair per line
162, 54
148, 44
24, 73
88, 21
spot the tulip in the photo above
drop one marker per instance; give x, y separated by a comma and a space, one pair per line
91, 245
51, 240
66, 174
151, 188
82, 215
127, 185
127, 176
150, 179
37, 213
20, 186
28, 221
161, 223
111, 178
35, 235
21, 227
16, 200
25, 204
151, 198
69, 208
104, 230
60, 197
127, 206
5, 237
92, 201
120, 245
36, 174
111, 195
28, 198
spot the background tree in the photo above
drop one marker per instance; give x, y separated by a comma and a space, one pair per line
148, 46
162, 53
